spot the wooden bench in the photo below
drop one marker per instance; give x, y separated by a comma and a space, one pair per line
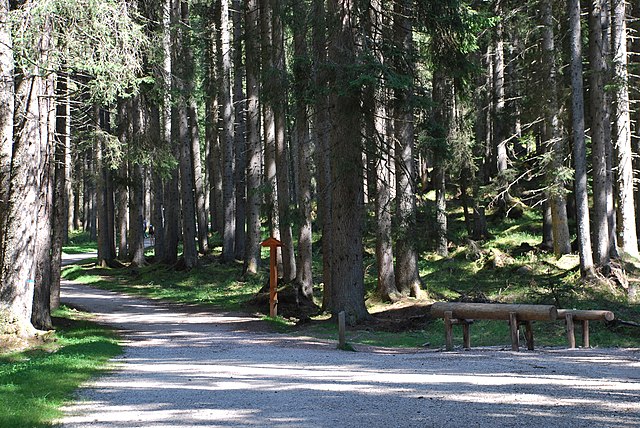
463, 313
584, 316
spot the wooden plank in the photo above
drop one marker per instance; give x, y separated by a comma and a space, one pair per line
586, 315
448, 331
571, 338
494, 311
513, 323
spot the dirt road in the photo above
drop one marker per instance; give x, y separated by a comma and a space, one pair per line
184, 367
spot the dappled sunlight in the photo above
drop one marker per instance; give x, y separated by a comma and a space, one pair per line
185, 367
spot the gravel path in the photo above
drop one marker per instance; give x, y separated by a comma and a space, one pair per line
186, 368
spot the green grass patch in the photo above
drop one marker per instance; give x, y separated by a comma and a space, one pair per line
80, 242
34, 384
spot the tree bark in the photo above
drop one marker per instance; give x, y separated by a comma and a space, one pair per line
599, 150
106, 254
553, 137
181, 73
347, 204
254, 152
18, 270
240, 143
282, 156
61, 189
136, 188
7, 93
301, 72
579, 146
228, 156
41, 312
622, 133
407, 277
320, 134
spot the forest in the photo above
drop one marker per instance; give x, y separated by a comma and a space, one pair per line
366, 136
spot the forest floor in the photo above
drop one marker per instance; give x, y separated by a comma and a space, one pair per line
188, 365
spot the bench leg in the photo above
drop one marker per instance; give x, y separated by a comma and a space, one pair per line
528, 334
571, 337
585, 334
513, 321
448, 330
465, 335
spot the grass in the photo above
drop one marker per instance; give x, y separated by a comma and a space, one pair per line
34, 384
80, 242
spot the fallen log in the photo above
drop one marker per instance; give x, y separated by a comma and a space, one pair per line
586, 315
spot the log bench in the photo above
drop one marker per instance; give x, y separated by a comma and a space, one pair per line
463, 313
455, 313
584, 316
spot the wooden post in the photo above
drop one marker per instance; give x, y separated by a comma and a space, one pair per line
448, 331
513, 321
571, 338
528, 334
585, 333
341, 330
273, 245
466, 339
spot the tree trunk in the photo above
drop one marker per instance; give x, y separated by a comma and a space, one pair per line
443, 98
320, 134
239, 132
228, 156
41, 312
579, 146
181, 73
252, 247
105, 231
61, 188
599, 150
267, 95
622, 133
347, 204
136, 188
194, 138
18, 270
301, 72
499, 119
282, 157
553, 138
407, 276
7, 93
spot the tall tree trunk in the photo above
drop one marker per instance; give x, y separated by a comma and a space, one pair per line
252, 247
599, 150
443, 98
282, 156
239, 132
347, 204
194, 138
553, 138
7, 94
41, 312
105, 231
579, 146
18, 270
181, 73
320, 133
301, 72
61, 188
499, 119
136, 188
228, 156
622, 133
267, 95
407, 276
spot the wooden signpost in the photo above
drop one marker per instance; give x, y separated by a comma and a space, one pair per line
273, 245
